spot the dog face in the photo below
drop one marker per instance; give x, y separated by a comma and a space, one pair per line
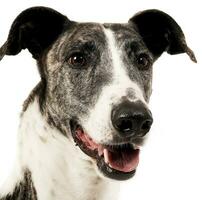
104, 68
96, 79
97, 71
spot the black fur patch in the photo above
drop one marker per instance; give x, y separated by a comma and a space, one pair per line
38, 91
160, 33
24, 190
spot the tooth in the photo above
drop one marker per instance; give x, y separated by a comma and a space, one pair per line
106, 156
135, 147
110, 165
100, 150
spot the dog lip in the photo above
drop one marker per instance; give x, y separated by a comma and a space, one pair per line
74, 126
111, 166
113, 173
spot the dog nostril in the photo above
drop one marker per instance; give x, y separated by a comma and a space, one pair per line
125, 125
146, 125
131, 119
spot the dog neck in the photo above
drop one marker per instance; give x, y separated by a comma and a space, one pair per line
58, 169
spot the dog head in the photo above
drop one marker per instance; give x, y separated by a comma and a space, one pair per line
96, 79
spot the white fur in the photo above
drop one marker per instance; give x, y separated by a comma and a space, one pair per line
111, 95
59, 169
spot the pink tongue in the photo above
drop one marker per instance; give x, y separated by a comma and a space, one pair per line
124, 160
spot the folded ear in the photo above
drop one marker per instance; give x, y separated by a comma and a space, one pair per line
35, 29
160, 33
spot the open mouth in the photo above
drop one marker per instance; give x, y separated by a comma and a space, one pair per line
117, 161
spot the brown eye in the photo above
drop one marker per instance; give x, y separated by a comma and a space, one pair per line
143, 62
77, 60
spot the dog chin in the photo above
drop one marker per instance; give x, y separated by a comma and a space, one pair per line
117, 161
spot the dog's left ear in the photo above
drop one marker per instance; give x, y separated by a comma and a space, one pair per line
34, 29
160, 32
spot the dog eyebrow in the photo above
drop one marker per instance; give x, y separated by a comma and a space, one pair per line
80, 45
83, 45
136, 46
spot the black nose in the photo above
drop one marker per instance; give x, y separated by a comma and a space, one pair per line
131, 119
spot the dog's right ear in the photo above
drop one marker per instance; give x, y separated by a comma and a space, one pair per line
35, 29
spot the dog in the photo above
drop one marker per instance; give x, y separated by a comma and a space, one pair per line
83, 125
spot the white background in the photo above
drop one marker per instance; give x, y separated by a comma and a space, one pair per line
171, 162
